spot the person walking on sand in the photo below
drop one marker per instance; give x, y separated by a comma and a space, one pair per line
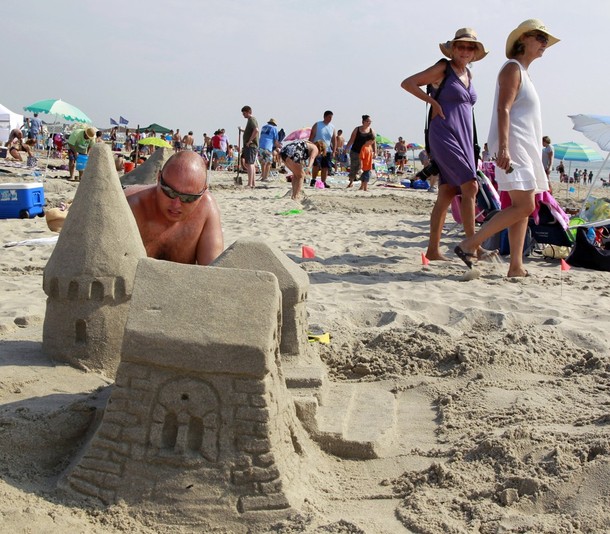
323, 130
268, 143
178, 217
451, 96
357, 140
515, 133
298, 154
250, 149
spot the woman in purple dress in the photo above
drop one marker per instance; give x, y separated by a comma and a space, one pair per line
450, 131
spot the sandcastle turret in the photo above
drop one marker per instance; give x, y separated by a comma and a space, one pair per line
149, 170
89, 277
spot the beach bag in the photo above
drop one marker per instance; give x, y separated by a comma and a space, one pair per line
588, 255
420, 184
501, 243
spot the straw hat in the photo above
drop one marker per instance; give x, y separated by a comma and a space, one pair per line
467, 35
90, 132
526, 26
272, 121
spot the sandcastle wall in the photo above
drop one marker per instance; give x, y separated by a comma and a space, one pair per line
252, 253
199, 417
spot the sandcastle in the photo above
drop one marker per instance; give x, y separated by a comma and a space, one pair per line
89, 276
149, 170
217, 392
200, 412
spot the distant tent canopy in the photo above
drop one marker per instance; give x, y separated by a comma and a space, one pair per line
157, 128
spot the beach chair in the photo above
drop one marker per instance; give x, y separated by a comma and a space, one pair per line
381, 170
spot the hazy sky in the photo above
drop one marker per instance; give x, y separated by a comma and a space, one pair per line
193, 64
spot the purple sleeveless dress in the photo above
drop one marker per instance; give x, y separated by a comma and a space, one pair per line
451, 139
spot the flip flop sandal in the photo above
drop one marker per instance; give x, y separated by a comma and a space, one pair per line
464, 256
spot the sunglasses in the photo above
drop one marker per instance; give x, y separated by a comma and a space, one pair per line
470, 48
185, 198
540, 37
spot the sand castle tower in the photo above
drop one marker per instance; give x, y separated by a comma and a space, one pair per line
200, 423
149, 170
89, 276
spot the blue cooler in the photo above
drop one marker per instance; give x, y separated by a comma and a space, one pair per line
21, 201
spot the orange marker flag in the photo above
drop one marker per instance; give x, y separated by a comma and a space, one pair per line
424, 260
307, 252
565, 266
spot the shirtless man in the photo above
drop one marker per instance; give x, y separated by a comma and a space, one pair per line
188, 141
178, 217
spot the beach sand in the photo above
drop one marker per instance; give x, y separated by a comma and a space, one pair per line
503, 383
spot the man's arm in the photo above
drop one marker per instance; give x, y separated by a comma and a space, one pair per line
314, 130
211, 240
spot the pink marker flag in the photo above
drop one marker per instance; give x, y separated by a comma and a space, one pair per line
307, 252
424, 260
565, 266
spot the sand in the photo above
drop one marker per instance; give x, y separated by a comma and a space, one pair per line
506, 424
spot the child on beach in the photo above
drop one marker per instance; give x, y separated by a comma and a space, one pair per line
366, 164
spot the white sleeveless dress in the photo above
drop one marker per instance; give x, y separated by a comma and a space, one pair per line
524, 139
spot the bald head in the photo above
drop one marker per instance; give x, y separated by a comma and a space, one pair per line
188, 169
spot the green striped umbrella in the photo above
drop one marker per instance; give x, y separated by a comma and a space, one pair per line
575, 152
60, 108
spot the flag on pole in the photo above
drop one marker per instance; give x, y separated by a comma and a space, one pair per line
113, 122
123, 120
565, 266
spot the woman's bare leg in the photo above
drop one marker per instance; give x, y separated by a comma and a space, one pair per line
517, 214
297, 177
437, 221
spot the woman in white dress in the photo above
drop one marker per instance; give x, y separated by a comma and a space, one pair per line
515, 134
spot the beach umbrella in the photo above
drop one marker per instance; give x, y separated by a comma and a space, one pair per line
594, 127
381, 140
301, 133
59, 108
154, 141
575, 152
413, 147
597, 129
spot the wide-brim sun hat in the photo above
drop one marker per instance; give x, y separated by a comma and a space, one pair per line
526, 26
272, 121
466, 35
90, 132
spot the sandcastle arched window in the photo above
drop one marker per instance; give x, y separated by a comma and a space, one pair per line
97, 290
54, 288
170, 431
186, 420
73, 290
119, 287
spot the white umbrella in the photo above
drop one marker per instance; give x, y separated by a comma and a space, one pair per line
596, 128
